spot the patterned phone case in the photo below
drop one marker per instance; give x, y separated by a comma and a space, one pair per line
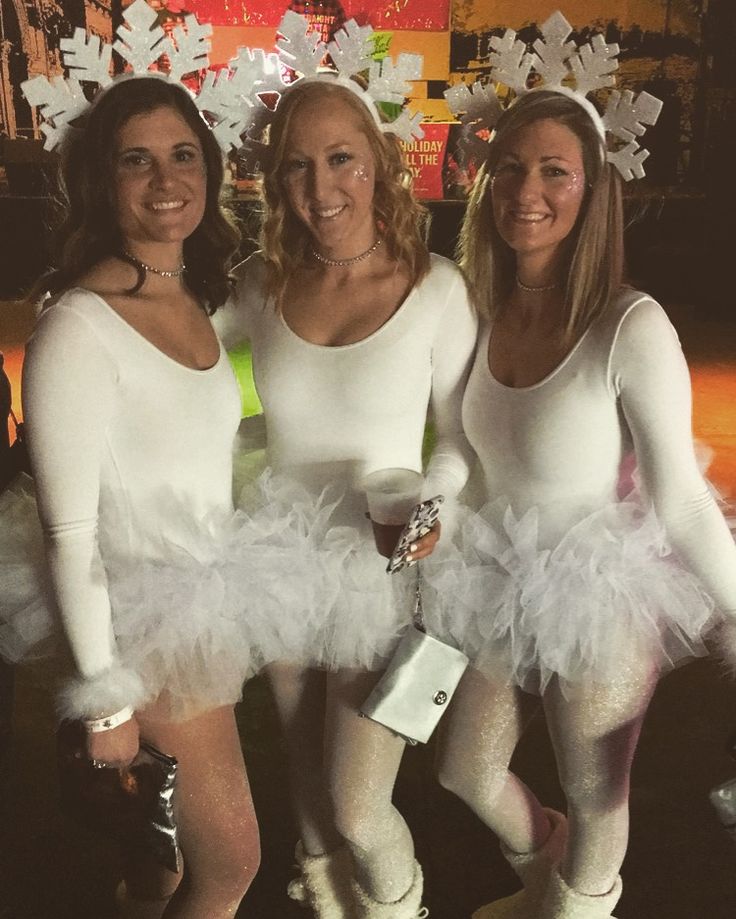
423, 518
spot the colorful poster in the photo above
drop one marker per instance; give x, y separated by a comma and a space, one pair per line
426, 158
409, 15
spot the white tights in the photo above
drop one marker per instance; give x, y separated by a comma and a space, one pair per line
594, 731
343, 769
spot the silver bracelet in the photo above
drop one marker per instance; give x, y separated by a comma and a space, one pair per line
97, 725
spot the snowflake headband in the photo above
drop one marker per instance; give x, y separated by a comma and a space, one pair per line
554, 60
301, 51
61, 100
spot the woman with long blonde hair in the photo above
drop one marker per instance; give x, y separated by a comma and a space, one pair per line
356, 333
584, 589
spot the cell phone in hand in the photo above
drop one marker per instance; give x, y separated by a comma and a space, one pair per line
423, 518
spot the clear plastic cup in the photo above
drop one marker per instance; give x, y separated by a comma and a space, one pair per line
392, 495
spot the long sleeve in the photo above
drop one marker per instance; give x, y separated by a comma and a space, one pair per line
68, 399
452, 354
649, 373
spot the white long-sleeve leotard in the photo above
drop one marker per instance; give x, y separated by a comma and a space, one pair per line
333, 415
558, 445
130, 449
341, 412
568, 570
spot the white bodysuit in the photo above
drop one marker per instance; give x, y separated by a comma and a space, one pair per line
131, 453
574, 575
334, 414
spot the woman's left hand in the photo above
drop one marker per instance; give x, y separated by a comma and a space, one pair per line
425, 545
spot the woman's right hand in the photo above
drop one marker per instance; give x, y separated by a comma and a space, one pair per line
115, 748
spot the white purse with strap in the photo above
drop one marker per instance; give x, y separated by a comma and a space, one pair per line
419, 682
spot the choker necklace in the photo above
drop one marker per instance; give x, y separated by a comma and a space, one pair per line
176, 273
344, 262
534, 290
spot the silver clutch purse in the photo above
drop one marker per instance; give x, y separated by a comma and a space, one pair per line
419, 682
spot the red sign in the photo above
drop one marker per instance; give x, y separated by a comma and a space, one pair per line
426, 158
412, 15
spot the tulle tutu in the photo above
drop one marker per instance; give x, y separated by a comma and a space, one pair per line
341, 608
609, 593
194, 621
293, 575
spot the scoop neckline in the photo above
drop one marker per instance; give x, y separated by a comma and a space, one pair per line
149, 344
393, 318
547, 378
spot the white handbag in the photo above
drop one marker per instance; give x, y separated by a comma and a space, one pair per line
419, 682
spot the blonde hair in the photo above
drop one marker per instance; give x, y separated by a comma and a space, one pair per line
594, 269
402, 220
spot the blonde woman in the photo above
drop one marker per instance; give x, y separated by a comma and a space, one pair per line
356, 332
582, 594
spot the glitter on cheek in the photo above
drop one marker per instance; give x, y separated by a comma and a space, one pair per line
571, 184
362, 173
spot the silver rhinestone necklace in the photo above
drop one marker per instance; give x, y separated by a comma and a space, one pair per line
344, 262
534, 290
176, 273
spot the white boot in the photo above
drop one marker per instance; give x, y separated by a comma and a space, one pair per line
408, 907
534, 869
563, 902
131, 908
324, 883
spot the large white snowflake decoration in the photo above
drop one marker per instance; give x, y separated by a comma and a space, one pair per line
140, 44
87, 58
301, 50
562, 66
233, 96
60, 101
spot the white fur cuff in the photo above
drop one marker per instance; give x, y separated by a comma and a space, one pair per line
109, 692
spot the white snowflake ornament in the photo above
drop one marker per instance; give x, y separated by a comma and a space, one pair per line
138, 43
141, 44
59, 101
87, 58
562, 66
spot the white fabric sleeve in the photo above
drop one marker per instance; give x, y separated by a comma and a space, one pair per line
452, 354
68, 397
232, 321
650, 374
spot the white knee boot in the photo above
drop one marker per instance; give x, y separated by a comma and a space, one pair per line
408, 907
534, 870
324, 883
563, 902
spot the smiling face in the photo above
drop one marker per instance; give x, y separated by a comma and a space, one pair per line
328, 175
538, 187
160, 178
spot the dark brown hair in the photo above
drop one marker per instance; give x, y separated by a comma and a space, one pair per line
88, 231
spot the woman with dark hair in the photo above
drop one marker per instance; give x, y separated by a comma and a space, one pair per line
131, 407
356, 331
580, 598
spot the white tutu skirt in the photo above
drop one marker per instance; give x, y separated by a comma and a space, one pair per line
193, 622
292, 576
340, 608
608, 594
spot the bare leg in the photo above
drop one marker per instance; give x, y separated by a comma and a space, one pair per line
477, 738
299, 694
594, 730
214, 809
364, 760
